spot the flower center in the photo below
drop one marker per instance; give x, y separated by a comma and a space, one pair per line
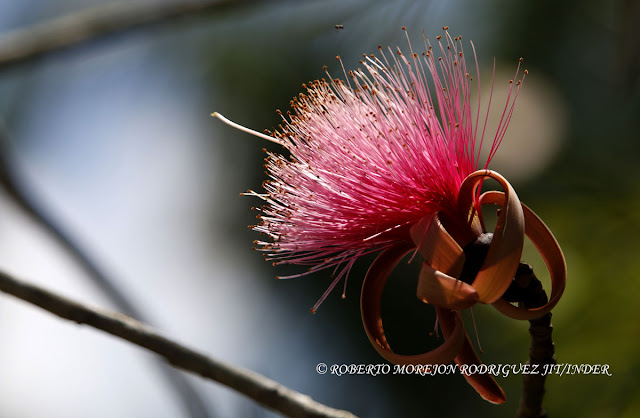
475, 253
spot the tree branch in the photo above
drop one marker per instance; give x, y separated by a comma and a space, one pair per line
257, 387
16, 188
37, 41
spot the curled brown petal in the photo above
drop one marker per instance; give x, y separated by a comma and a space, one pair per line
484, 384
550, 251
370, 306
437, 247
442, 290
505, 250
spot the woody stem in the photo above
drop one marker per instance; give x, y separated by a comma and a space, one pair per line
527, 290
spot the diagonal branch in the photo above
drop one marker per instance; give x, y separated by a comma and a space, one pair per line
98, 22
18, 190
255, 386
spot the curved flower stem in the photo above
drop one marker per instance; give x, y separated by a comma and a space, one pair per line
191, 400
257, 387
528, 291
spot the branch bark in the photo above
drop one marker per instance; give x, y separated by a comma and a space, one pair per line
261, 389
11, 180
37, 41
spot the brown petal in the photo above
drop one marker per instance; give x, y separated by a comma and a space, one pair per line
484, 384
505, 251
442, 290
370, 306
550, 252
437, 247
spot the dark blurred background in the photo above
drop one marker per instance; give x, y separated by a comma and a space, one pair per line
115, 140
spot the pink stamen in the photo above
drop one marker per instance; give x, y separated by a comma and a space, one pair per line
372, 155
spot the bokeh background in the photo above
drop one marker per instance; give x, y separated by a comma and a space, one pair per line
114, 140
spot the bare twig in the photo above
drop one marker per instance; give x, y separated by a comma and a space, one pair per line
10, 180
257, 387
528, 291
78, 28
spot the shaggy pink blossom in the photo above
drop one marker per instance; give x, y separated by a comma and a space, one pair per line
371, 156
387, 161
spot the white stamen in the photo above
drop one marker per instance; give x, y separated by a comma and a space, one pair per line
382, 232
247, 130
473, 319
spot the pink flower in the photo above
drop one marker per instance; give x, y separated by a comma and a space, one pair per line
370, 157
387, 161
